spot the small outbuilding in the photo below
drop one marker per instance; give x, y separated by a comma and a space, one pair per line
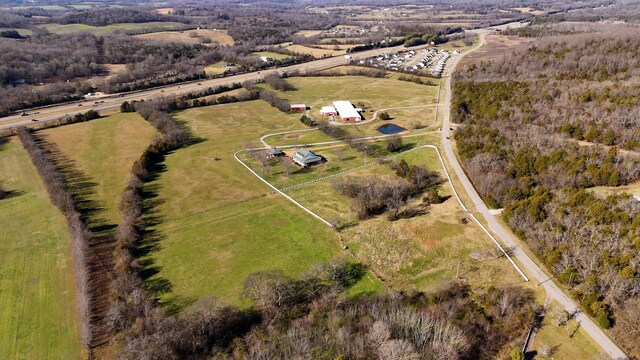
328, 111
304, 157
298, 108
275, 152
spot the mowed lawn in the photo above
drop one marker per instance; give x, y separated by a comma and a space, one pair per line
218, 222
37, 289
104, 150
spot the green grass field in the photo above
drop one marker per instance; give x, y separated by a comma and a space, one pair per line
81, 6
219, 223
104, 150
604, 191
569, 341
425, 252
109, 29
373, 93
37, 290
338, 159
307, 137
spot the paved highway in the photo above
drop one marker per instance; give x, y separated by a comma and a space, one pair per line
54, 112
553, 291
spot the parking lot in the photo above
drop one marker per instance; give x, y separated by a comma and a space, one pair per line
421, 62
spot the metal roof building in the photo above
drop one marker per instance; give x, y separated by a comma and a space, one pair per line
346, 111
304, 157
328, 110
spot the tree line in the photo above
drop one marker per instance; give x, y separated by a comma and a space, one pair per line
539, 128
80, 233
114, 15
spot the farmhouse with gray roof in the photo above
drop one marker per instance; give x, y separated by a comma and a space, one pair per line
304, 157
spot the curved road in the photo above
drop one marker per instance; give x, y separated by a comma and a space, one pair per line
553, 291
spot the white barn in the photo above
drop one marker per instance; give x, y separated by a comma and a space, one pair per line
346, 111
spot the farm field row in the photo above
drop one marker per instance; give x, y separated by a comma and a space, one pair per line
82, 148
37, 301
36, 274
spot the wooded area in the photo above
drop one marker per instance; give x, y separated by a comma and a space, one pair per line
541, 125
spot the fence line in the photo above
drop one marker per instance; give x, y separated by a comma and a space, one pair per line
446, 171
235, 155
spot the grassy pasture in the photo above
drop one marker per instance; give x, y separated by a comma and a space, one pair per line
217, 68
425, 252
109, 29
604, 191
374, 93
314, 51
37, 289
104, 150
219, 223
306, 137
410, 119
217, 36
81, 6
338, 158
577, 346
164, 11
309, 33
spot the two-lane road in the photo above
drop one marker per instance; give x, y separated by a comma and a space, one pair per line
553, 291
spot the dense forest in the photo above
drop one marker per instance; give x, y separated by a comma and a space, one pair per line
103, 17
39, 68
539, 128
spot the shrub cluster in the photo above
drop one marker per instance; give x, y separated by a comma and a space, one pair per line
277, 83
372, 73
376, 194
272, 99
316, 322
308, 121
416, 80
3, 193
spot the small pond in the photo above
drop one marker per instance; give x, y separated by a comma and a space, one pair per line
388, 129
